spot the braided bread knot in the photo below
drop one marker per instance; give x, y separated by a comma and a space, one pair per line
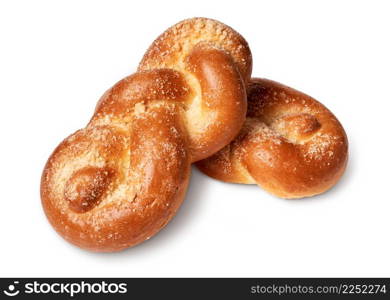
291, 145
119, 180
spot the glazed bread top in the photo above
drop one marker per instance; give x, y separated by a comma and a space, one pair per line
119, 180
291, 145
217, 63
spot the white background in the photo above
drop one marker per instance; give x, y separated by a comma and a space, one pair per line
58, 57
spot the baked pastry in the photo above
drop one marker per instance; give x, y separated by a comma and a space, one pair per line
217, 63
291, 145
119, 180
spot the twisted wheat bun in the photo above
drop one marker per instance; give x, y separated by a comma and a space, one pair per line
119, 180
291, 145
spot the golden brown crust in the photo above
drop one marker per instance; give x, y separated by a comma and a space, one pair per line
291, 145
119, 180
217, 63
170, 48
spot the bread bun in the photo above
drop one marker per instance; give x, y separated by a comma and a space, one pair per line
291, 145
119, 180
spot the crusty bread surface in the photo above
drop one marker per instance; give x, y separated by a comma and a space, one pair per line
119, 180
291, 145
